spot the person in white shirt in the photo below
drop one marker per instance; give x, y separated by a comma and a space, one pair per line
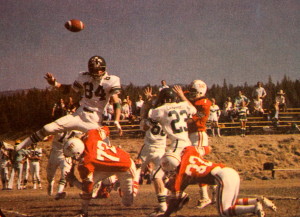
163, 85
280, 98
258, 106
139, 105
214, 116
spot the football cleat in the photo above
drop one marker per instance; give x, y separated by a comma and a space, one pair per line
60, 195
268, 203
259, 210
157, 212
203, 203
183, 201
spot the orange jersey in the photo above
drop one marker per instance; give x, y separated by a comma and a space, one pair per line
193, 169
101, 156
198, 121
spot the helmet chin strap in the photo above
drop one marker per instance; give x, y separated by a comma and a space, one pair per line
98, 76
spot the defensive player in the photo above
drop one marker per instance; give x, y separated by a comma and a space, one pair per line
191, 168
98, 160
96, 88
197, 129
152, 151
35, 156
58, 160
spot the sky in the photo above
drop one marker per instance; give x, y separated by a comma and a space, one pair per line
146, 41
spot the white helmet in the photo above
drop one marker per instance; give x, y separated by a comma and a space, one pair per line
170, 161
199, 88
74, 147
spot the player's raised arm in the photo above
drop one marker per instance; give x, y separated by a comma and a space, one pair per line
52, 81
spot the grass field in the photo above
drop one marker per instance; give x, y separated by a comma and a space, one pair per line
285, 194
246, 155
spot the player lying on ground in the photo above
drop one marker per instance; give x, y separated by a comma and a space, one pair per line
98, 160
191, 168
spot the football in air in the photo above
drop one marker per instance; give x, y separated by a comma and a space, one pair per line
74, 25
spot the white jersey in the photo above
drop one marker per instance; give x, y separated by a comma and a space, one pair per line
214, 113
154, 147
173, 118
155, 137
37, 152
96, 93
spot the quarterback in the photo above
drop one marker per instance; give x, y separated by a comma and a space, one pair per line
96, 88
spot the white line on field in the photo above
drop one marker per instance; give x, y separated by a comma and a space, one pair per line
15, 212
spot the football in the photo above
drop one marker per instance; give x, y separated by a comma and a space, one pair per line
74, 25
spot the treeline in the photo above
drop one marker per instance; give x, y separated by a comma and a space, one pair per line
29, 110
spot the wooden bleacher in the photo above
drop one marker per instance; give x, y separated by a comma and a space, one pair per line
255, 125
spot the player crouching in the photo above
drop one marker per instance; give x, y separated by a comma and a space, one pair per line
190, 168
98, 160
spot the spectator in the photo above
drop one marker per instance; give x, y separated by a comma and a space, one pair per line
242, 115
163, 85
59, 109
129, 104
125, 110
258, 106
109, 111
274, 113
280, 98
70, 106
138, 105
239, 99
228, 109
259, 91
214, 116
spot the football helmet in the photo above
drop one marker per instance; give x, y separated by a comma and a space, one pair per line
96, 64
198, 89
74, 147
166, 95
170, 161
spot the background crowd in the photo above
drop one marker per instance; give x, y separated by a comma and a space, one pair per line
36, 104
